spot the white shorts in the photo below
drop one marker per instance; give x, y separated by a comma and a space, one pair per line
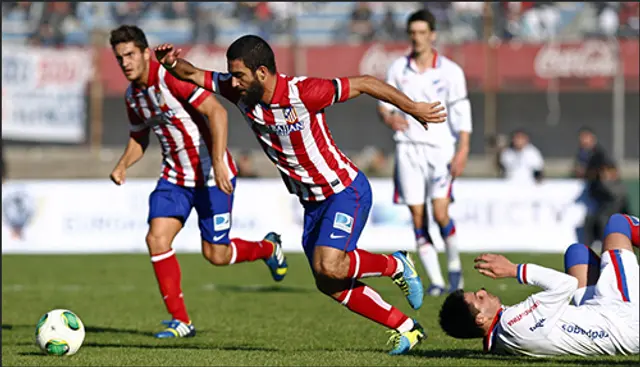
421, 172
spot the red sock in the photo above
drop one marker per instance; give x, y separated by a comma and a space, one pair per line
242, 250
168, 274
368, 303
363, 264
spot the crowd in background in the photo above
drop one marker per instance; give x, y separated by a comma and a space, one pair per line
58, 23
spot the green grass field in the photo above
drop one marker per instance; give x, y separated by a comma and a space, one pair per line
242, 317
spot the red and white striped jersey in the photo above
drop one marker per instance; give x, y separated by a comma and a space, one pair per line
169, 107
294, 134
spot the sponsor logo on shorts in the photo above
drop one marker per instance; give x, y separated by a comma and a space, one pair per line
538, 324
222, 221
343, 222
591, 333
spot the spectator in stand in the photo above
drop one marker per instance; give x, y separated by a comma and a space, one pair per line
361, 24
607, 17
467, 19
129, 12
522, 162
204, 27
540, 21
389, 30
282, 13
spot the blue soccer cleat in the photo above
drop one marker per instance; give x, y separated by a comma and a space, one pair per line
408, 280
277, 263
176, 329
404, 342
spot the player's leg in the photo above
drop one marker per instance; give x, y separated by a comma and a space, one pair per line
410, 179
169, 207
331, 232
214, 209
441, 194
619, 273
581, 262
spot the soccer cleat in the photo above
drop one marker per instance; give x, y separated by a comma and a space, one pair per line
277, 263
455, 281
176, 329
404, 342
435, 290
408, 280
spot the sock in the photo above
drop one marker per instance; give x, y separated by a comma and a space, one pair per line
627, 225
363, 264
579, 254
448, 233
242, 250
422, 235
366, 302
167, 271
429, 258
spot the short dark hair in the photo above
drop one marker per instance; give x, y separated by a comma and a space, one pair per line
423, 15
254, 52
458, 318
586, 129
129, 33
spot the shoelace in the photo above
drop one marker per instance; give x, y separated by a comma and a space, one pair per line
394, 339
402, 283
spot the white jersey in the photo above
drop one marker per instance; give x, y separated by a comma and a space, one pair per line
545, 324
444, 82
520, 165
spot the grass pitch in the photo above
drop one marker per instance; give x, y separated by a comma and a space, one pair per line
242, 317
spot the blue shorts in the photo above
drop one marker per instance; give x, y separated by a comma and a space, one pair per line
212, 205
339, 220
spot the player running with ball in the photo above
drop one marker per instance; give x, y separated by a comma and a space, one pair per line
287, 116
602, 320
197, 172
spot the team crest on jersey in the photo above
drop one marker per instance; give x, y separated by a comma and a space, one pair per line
159, 97
290, 115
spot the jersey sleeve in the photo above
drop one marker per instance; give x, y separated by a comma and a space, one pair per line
186, 91
537, 162
317, 93
458, 105
137, 127
220, 83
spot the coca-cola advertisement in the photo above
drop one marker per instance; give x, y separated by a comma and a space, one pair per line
581, 66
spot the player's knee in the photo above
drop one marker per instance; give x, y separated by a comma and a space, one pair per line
440, 216
330, 268
158, 243
620, 225
579, 254
216, 254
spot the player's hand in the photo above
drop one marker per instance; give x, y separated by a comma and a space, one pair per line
118, 175
396, 122
458, 164
222, 178
167, 54
495, 266
426, 113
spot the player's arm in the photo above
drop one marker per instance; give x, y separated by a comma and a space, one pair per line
137, 145
459, 115
387, 112
181, 68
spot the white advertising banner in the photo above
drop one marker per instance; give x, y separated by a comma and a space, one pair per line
99, 217
43, 93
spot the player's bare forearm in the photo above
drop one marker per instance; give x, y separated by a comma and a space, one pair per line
464, 138
184, 70
134, 151
218, 121
367, 84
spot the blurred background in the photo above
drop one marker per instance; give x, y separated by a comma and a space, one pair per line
545, 69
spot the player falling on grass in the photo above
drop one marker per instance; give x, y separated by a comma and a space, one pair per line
287, 116
602, 320
427, 162
197, 172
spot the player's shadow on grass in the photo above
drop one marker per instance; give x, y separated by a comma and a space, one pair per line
88, 329
257, 288
245, 348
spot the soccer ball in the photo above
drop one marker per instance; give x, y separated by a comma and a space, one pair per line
59, 332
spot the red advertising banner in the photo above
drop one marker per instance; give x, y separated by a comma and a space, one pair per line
582, 66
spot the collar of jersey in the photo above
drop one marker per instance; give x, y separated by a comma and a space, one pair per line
489, 339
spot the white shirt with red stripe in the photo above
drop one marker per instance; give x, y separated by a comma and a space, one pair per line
545, 324
294, 134
168, 106
443, 82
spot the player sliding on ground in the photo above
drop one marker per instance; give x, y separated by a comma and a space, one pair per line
197, 172
287, 116
602, 320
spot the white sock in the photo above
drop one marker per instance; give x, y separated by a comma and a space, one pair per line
407, 325
429, 258
453, 257
399, 267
